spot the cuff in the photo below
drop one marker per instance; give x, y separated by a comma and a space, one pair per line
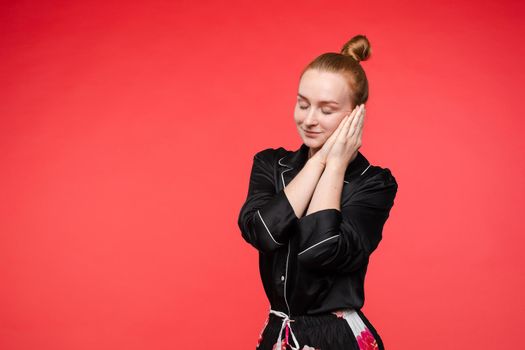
317, 228
277, 215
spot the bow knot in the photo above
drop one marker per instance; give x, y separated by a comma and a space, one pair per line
286, 325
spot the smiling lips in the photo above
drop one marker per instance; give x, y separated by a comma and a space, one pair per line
311, 132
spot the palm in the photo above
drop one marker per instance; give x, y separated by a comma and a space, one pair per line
348, 139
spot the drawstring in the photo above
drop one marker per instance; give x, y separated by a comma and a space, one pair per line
286, 324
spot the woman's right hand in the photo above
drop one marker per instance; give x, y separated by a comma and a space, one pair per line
322, 154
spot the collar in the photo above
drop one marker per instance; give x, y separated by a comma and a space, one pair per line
296, 160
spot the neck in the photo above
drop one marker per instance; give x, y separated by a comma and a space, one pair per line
311, 152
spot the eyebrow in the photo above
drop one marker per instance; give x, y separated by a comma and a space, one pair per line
321, 102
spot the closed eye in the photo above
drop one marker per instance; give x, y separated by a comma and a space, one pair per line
324, 112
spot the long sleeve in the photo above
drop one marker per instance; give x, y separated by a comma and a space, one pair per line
266, 216
342, 241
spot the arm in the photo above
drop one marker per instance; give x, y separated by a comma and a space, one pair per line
300, 190
341, 149
342, 241
327, 194
266, 216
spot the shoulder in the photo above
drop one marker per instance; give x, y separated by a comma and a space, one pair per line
378, 188
373, 178
271, 155
377, 174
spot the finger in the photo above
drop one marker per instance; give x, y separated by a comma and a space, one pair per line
361, 127
331, 140
363, 120
355, 122
342, 124
347, 123
344, 121
344, 128
341, 127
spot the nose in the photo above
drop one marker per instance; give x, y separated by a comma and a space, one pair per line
310, 117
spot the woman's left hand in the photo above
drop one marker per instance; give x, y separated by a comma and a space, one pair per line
348, 142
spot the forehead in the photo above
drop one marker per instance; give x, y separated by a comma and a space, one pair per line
317, 86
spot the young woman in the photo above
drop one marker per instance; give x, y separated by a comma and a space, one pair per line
316, 214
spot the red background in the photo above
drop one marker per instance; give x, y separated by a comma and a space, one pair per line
127, 136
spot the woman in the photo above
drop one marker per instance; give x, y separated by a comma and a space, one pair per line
316, 214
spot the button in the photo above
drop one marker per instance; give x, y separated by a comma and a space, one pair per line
282, 278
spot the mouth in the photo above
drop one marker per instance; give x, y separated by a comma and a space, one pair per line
311, 132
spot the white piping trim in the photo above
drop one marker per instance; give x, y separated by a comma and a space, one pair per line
324, 240
282, 163
362, 172
366, 169
282, 177
289, 168
286, 278
285, 273
268, 229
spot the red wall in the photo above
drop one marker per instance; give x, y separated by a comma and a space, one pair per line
127, 135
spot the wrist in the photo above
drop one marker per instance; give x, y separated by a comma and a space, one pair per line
317, 161
335, 167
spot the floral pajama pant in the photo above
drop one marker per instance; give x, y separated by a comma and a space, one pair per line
347, 329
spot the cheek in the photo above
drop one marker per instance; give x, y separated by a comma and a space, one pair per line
331, 125
298, 115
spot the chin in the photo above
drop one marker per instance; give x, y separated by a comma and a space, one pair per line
311, 143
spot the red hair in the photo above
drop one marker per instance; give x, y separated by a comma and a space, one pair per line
347, 63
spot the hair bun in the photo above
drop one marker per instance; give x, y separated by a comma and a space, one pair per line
358, 48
